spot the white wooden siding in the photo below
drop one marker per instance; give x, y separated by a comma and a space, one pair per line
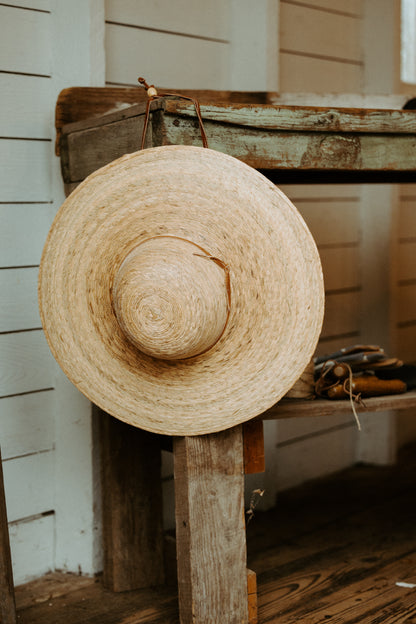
30, 100
27, 369
208, 20
23, 231
27, 424
44, 47
319, 33
320, 47
320, 52
25, 174
32, 544
19, 305
405, 251
45, 430
25, 41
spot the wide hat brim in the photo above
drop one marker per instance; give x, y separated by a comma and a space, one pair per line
239, 217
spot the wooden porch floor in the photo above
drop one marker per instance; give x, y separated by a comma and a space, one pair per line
333, 550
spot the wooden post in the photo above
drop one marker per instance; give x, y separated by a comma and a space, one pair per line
7, 601
132, 506
210, 529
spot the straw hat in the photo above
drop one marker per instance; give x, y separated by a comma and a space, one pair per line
180, 290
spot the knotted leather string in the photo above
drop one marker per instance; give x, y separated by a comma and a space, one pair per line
152, 95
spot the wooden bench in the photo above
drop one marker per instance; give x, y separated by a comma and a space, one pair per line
285, 142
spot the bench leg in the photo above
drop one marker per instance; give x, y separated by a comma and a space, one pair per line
132, 506
210, 528
7, 602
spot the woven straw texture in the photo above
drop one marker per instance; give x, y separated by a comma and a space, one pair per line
181, 291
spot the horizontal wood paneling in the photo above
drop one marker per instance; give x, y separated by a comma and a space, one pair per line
326, 192
341, 267
29, 100
406, 341
35, 5
332, 223
302, 73
407, 213
32, 546
351, 7
406, 254
406, 275
23, 231
19, 306
406, 305
406, 288
328, 345
27, 424
132, 53
28, 483
342, 314
25, 41
332, 214
25, 171
26, 364
291, 430
335, 450
203, 19
321, 33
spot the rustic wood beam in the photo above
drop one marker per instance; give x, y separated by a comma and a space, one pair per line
210, 530
7, 600
132, 506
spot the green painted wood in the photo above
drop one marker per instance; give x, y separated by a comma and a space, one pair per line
278, 138
305, 151
302, 118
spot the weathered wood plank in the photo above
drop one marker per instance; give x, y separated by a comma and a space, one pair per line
132, 506
342, 533
210, 533
85, 151
84, 103
253, 440
302, 118
290, 408
260, 148
7, 600
265, 137
301, 151
252, 597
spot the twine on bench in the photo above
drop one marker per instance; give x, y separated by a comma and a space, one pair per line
152, 94
324, 383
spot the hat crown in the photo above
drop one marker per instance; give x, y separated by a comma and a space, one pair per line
171, 298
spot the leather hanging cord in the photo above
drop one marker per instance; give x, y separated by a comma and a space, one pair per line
154, 95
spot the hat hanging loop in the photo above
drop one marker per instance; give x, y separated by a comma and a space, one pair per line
152, 94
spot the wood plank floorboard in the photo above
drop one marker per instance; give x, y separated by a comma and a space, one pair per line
332, 550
